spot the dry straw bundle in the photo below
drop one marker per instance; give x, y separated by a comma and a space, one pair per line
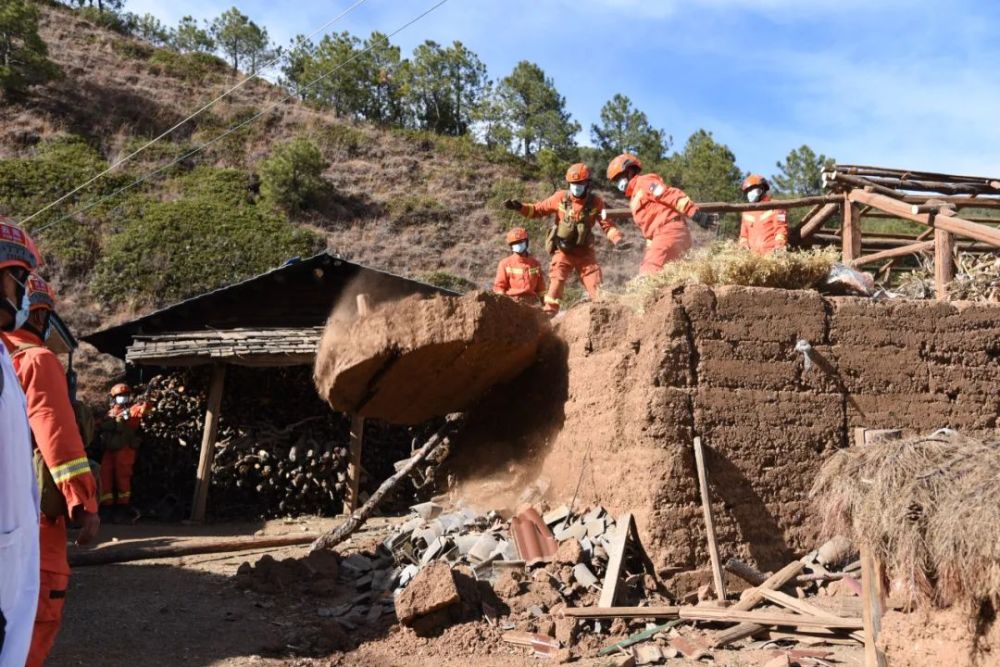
726, 263
929, 508
977, 278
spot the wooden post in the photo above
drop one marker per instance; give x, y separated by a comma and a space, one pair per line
851, 233
706, 507
872, 593
204, 476
351, 499
944, 263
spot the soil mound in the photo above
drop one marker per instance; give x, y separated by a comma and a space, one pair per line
416, 359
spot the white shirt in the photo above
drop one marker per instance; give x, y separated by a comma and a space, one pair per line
18, 519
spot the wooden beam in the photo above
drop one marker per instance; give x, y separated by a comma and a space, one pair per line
944, 263
130, 553
351, 499
902, 251
862, 183
816, 222
740, 207
851, 232
758, 618
204, 475
861, 170
948, 223
801, 606
754, 598
706, 508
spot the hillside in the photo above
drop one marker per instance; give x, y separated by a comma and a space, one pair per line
409, 202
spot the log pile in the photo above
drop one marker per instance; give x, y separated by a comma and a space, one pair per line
280, 450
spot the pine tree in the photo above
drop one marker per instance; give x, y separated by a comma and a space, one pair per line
801, 173
535, 111
625, 129
23, 54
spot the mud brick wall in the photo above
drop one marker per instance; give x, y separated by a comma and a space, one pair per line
722, 364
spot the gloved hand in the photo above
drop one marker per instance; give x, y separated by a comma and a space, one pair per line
512, 205
90, 523
706, 220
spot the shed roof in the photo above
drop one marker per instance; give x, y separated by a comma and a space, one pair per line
297, 295
243, 347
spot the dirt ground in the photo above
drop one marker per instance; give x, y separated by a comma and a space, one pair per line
188, 611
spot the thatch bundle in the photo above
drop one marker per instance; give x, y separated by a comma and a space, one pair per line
977, 278
726, 263
929, 508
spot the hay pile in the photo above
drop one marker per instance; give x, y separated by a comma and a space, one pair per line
726, 263
977, 278
929, 507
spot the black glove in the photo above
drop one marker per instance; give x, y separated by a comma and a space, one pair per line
622, 246
512, 205
706, 220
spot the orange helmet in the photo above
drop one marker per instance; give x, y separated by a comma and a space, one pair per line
16, 247
40, 294
516, 235
755, 181
620, 164
577, 173
121, 389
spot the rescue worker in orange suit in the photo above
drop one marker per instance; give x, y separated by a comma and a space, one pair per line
519, 275
571, 239
120, 438
762, 232
57, 439
659, 211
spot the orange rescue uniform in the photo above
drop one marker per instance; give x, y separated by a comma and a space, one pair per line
520, 277
580, 258
55, 434
120, 440
763, 232
660, 211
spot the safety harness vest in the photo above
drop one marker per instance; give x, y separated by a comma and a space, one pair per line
573, 229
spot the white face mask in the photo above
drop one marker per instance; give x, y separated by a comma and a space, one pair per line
121, 400
519, 247
24, 309
577, 189
753, 196
622, 183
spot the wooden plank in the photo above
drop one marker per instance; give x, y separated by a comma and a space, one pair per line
953, 224
752, 599
733, 207
944, 263
851, 232
871, 612
706, 508
203, 477
803, 607
902, 251
135, 552
816, 222
758, 618
616, 556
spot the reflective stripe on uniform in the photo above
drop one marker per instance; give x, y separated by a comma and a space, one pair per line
649, 242
515, 271
66, 471
107, 496
683, 203
549, 299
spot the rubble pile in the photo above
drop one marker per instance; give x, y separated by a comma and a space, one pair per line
280, 450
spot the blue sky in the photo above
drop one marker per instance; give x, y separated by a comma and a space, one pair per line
912, 84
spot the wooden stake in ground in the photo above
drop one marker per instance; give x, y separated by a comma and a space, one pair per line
944, 263
358, 518
706, 508
871, 571
627, 535
351, 500
204, 475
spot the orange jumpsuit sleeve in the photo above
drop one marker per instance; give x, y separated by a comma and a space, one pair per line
136, 413
548, 206
780, 228
673, 197
53, 424
608, 226
501, 283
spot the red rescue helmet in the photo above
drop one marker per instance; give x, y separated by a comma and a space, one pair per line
40, 294
121, 389
516, 235
621, 164
16, 247
755, 181
578, 173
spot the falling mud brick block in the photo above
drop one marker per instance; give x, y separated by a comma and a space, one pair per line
416, 359
431, 591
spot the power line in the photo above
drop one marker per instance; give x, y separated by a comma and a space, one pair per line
236, 127
188, 119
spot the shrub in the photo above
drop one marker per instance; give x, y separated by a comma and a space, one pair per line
133, 49
230, 187
417, 209
511, 188
167, 251
449, 281
292, 177
345, 140
196, 67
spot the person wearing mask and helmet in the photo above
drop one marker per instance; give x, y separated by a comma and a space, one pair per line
68, 490
519, 275
19, 546
120, 438
571, 239
762, 232
659, 211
